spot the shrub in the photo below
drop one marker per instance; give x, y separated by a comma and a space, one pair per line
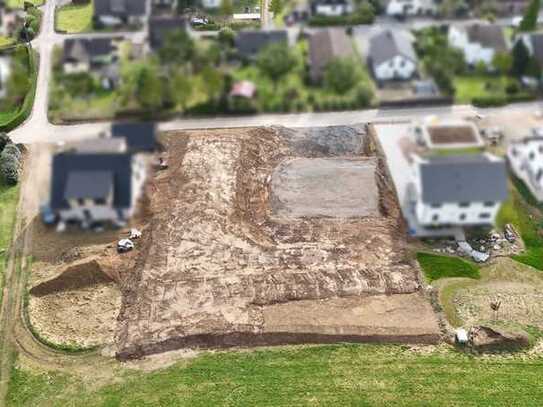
12, 150
363, 96
9, 167
4, 141
489, 101
512, 88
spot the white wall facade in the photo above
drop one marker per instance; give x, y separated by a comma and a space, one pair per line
455, 213
398, 67
526, 161
410, 7
473, 53
332, 10
211, 3
76, 67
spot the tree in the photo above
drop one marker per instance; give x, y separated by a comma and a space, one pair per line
178, 48
213, 81
227, 8
4, 141
521, 59
148, 90
226, 37
502, 62
10, 165
276, 60
365, 12
182, 89
341, 74
363, 96
529, 20
276, 6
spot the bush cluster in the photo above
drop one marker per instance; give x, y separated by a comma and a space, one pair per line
10, 160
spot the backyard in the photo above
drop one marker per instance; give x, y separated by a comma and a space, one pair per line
377, 375
74, 18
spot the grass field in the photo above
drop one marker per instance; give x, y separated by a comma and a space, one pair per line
8, 206
339, 375
435, 267
526, 215
20, 3
74, 19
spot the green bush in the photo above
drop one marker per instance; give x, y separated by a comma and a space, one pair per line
10, 166
489, 101
4, 141
352, 19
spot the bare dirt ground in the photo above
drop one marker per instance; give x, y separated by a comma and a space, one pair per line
218, 268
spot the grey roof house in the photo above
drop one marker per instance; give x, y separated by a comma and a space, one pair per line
250, 43
392, 56
324, 46
139, 137
160, 27
117, 12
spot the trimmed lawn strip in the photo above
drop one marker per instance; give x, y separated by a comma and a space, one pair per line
9, 198
376, 375
436, 267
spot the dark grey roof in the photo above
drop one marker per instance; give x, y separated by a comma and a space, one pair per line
160, 27
119, 8
88, 184
488, 35
83, 49
465, 178
324, 46
250, 43
65, 164
138, 136
389, 44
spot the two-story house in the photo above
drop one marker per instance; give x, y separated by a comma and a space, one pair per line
525, 159
403, 8
459, 190
392, 56
97, 56
96, 183
331, 8
479, 42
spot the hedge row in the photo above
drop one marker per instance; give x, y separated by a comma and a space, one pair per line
351, 19
501, 100
26, 108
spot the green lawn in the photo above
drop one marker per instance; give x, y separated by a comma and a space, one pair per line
5, 41
335, 375
521, 211
470, 87
74, 19
8, 207
20, 3
436, 266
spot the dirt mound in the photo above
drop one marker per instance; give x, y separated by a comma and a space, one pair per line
214, 257
77, 276
486, 339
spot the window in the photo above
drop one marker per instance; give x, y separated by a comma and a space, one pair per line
489, 204
435, 217
464, 204
81, 201
484, 215
100, 201
435, 205
462, 216
531, 156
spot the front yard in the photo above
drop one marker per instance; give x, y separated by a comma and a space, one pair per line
74, 18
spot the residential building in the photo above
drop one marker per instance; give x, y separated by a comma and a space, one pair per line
119, 12
525, 159
391, 56
140, 137
211, 4
331, 8
5, 72
161, 27
96, 183
10, 20
479, 42
459, 190
324, 46
402, 8
97, 56
249, 43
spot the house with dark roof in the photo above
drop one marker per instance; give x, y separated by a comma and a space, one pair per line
392, 56
459, 190
324, 46
119, 12
97, 56
249, 43
139, 136
478, 41
331, 8
94, 186
161, 26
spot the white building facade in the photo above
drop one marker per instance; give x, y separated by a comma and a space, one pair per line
398, 67
526, 161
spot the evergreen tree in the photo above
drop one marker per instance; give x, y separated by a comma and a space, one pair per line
529, 21
521, 59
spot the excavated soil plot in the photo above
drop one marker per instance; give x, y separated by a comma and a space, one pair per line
219, 267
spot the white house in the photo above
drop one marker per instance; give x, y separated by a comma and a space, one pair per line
211, 4
526, 161
118, 12
391, 56
397, 8
331, 8
459, 190
479, 42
